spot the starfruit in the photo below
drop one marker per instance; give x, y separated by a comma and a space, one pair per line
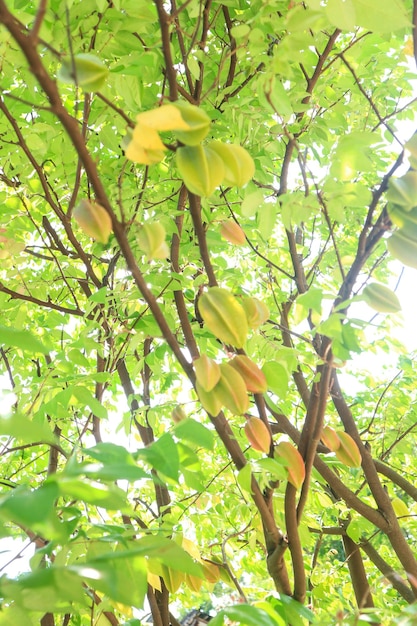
211, 571
197, 124
254, 377
348, 452
232, 232
178, 414
165, 117
231, 390
193, 582
172, 578
201, 169
238, 164
256, 311
224, 316
207, 372
403, 247
258, 434
381, 299
85, 70
330, 438
94, 220
210, 400
294, 462
151, 239
403, 191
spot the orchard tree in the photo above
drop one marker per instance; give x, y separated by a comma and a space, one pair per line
205, 208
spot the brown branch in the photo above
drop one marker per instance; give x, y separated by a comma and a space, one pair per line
394, 578
357, 572
195, 210
164, 23
14, 295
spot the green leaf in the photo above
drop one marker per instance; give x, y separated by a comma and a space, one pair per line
277, 377
247, 615
194, 432
384, 17
26, 430
21, 339
162, 455
341, 13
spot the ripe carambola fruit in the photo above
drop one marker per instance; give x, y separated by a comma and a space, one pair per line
348, 452
232, 232
94, 220
178, 414
256, 311
258, 434
151, 239
198, 123
201, 169
231, 390
330, 438
207, 372
403, 247
254, 378
294, 462
224, 316
238, 164
85, 70
381, 299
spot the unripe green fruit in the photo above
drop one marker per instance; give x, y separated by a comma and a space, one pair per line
224, 316
94, 220
207, 372
231, 390
256, 311
403, 191
210, 400
85, 70
238, 164
403, 248
381, 299
197, 120
201, 169
151, 239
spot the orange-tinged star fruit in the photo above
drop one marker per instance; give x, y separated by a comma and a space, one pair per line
294, 462
258, 434
254, 377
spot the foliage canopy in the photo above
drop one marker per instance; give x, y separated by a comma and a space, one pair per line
201, 206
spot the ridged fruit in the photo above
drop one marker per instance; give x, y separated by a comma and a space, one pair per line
197, 124
211, 571
165, 117
381, 299
258, 434
224, 316
210, 401
238, 164
330, 438
403, 248
85, 70
207, 372
201, 169
294, 462
254, 377
256, 311
232, 232
172, 578
403, 191
193, 582
403, 219
348, 452
94, 220
178, 414
231, 390
151, 239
